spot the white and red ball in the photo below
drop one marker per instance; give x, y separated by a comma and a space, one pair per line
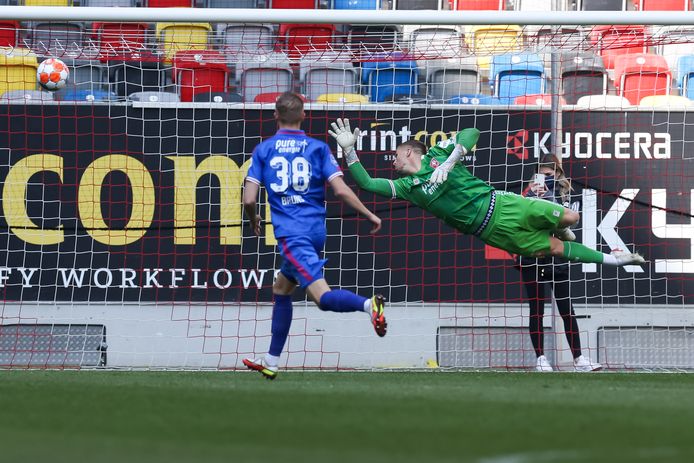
52, 74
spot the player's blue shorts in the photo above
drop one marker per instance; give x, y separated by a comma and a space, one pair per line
302, 263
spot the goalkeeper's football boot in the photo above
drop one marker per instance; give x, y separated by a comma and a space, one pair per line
263, 368
584, 365
565, 234
627, 258
378, 318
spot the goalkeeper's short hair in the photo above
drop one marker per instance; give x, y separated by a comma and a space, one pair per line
415, 145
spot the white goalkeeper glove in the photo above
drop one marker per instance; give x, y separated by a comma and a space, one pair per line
342, 133
440, 174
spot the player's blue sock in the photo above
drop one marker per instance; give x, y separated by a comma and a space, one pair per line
281, 321
341, 300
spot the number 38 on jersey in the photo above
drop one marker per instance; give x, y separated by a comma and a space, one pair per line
295, 174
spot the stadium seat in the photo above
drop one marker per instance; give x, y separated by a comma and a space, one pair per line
24, 96
17, 69
613, 41
217, 97
234, 4
485, 41
342, 98
139, 73
493, 5
603, 102
448, 78
672, 42
298, 39
264, 74
637, 76
272, 97
119, 39
356, 4
8, 33
199, 71
88, 75
685, 76
294, 4
433, 42
663, 5
541, 99
390, 76
516, 74
47, 2
666, 101
239, 38
602, 5
534, 5
56, 39
475, 99
582, 74
365, 40
154, 97
416, 4
327, 72
74, 94
169, 3
118, 3
174, 37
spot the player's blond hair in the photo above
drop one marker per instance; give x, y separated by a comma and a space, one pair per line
289, 108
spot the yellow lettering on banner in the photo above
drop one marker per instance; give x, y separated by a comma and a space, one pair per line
14, 198
187, 176
89, 199
437, 136
421, 134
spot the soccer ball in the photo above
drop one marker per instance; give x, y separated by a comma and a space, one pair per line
52, 74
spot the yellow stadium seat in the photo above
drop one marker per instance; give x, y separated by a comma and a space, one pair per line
48, 2
342, 98
17, 69
667, 101
174, 37
485, 41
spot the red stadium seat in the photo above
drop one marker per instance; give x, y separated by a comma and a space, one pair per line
299, 39
271, 97
542, 99
612, 41
294, 4
662, 5
8, 33
200, 71
170, 3
119, 39
494, 5
638, 76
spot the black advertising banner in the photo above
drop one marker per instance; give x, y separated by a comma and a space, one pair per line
117, 203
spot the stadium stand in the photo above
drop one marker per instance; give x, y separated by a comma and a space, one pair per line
234, 4
494, 5
294, 4
449, 78
516, 74
239, 38
199, 71
154, 97
582, 74
672, 42
17, 70
666, 101
603, 102
169, 3
342, 98
271, 97
56, 39
174, 37
298, 39
113, 3
433, 41
541, 99
356, 4
264, 74
416, 4
685, 74
118, 39
365, 40
662, 5
638, 76
603, 5
47, 2
485, 41
217, 97
138, 73
475, 99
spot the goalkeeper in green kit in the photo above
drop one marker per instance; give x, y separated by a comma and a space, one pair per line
438, 182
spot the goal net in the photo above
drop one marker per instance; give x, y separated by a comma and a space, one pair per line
123, 241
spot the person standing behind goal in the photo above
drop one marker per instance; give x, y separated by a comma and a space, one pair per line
551, 184
294, 169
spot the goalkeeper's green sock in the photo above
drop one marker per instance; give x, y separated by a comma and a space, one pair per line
577, 252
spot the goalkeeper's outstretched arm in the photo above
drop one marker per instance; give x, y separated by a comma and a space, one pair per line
342, 132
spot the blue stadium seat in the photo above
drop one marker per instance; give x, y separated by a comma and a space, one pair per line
356, 4
474, 99
75, 94
516, 74
387, 79
685, 76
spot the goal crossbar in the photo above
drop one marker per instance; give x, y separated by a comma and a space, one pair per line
240, 15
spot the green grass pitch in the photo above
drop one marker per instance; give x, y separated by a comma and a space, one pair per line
74, 416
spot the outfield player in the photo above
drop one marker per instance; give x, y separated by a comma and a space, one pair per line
438, 182
294, 169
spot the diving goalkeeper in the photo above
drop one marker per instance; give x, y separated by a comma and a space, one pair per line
438, 182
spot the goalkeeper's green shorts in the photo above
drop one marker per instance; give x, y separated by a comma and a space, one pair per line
522, 225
